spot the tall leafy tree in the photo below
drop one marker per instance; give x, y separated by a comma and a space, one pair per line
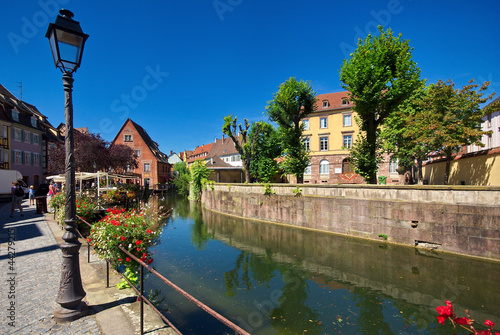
293, 102
380, 75
182, 178
267, 148
92, 149
454, 117
245, 142
406, 131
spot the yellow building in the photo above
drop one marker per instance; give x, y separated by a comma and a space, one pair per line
329, 134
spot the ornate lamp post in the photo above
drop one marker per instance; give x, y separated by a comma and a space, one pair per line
66, 41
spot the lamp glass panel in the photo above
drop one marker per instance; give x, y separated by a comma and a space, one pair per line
53, 46
69, 48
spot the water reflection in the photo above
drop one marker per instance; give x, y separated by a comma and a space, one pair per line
276, 280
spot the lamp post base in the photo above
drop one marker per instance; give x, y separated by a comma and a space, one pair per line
68, 314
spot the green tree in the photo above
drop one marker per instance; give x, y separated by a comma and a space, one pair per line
293, 102
199, 175
245, 142
267, 148
406, 131
380, 75
454, 117
182, 178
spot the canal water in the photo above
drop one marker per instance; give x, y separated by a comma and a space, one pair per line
271, 279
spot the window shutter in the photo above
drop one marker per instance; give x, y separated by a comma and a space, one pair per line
13, 156
22, 135
32, 159
13, 132
31, 138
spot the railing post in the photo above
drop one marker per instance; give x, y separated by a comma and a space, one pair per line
141, 288
88, 252
107, 273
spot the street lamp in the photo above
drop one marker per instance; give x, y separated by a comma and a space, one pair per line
66, 41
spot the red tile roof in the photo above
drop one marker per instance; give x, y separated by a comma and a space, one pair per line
334, 101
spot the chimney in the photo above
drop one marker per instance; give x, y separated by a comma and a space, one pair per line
171, 152
222, 137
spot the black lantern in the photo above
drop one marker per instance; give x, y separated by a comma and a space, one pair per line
66, 41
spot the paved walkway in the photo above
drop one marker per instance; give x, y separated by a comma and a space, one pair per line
35, 272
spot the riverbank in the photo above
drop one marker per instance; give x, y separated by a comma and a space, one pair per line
35, 239
455, 219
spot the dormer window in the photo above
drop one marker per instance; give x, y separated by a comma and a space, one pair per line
345, 101
127, 138
326, 104
15, 115
33, 121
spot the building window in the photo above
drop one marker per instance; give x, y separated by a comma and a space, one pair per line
128, 138
129, 168
323, 122
27, 158
27, 136
347, 166
347, 120
33, 121
347, 141
326, 104
323, 143
147, 168
4, 155
306, 124
18, 134
488, 120
4, 132
36, 159
345, 101
307, 144
17, 157
15, 115
393, 165
138, 153
324, 167
36, 139
307, 171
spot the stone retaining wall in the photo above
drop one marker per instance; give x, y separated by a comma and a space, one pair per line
464, 220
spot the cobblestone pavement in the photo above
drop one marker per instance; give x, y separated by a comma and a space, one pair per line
30, 279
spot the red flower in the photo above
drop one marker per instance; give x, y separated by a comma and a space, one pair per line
120, 259
127, 259
489, 323
149, 231
138, 248
149, 261
138, 242
122, 238
462, 321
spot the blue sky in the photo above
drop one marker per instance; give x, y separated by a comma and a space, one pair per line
178, 67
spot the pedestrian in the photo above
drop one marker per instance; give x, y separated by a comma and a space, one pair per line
17, 195
52, 192
32, 195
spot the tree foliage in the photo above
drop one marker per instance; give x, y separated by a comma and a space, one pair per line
380, 75
293, 102
406, 131
92, 149
267, 148
182, 178
454, 117
199, 174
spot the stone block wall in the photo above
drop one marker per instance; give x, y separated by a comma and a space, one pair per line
463, 220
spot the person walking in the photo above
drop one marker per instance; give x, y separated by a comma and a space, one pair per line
32, 195
17, 195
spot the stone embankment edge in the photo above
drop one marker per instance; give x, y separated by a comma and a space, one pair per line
488, 230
